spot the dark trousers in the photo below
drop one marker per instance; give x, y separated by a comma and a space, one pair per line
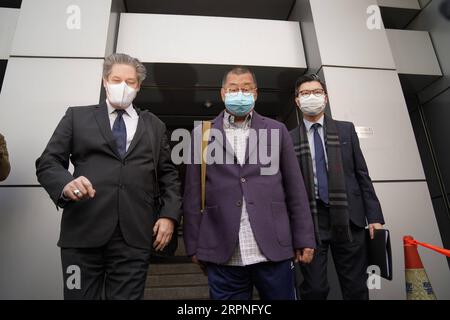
273, 280
114, 271
350, 260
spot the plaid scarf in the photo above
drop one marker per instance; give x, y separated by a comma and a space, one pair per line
339, 214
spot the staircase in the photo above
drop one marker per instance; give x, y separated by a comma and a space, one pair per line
176, 281
175, 278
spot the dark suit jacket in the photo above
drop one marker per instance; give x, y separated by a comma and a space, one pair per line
124, 188
277, 204
363, 203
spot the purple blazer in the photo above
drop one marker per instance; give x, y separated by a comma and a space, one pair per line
277, 204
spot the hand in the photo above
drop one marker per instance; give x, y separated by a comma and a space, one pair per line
372, 227
163, 231
79, 189
201, 265
304, 255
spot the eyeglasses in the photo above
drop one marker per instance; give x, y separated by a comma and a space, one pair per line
246, 91
316, 92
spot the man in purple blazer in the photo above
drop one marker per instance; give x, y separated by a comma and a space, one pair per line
255, 219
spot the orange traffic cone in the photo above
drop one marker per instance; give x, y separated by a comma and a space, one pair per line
418, 286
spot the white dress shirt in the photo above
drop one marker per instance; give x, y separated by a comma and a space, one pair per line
247, 251
310, 134
130, 117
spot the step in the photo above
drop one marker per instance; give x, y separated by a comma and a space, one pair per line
182, 293
176, 280
177, 293
173, 268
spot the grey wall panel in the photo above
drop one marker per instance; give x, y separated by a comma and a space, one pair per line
42, 28
373, 99
413, 52
117, 8
408, 210
35, 95
344, 38
8, 22
302, 13
30, 265
211, 40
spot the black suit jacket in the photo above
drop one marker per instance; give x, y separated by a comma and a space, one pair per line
124, 187
363, 203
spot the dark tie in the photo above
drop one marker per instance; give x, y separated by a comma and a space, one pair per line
119, 132
321, 165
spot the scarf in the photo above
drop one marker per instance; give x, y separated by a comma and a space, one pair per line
339, 214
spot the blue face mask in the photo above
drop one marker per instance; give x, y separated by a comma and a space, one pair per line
239, 104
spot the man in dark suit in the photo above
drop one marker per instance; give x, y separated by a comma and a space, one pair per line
5, 167
341, 195
254, 221
110, 220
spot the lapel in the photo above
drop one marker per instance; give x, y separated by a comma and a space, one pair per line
139, 132
258, 122
102, 118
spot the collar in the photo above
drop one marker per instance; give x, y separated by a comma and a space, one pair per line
130, 111
308, 124
229, 121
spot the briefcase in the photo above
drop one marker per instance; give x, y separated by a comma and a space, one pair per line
379, 252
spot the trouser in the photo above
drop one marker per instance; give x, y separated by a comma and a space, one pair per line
273, 280
350, 260
113, 271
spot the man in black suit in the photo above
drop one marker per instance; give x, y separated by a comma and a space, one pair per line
111, 218
341, 195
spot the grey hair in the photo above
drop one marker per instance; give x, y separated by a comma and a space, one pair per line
238, 70
121, 58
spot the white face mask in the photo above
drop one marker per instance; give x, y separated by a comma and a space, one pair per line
312, 105
120, 94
